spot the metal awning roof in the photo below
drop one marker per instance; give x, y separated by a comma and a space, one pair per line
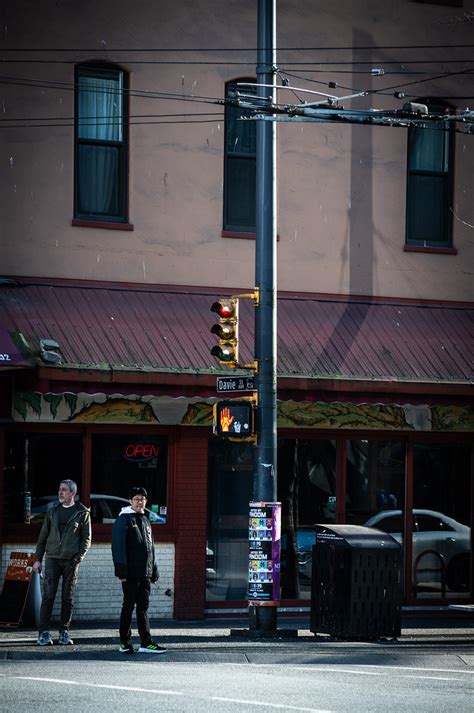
167, 329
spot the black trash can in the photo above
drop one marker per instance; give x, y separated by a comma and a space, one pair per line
356, 589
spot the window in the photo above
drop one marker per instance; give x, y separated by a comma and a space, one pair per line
101, 151
122, 461
429, 185
35, 463
239, 167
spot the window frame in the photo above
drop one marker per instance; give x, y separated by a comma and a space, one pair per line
229, 229
446, 245
121, 220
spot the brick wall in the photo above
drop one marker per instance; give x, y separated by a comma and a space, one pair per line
191, 522
99, 593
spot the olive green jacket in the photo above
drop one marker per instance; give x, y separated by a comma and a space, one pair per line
76, 538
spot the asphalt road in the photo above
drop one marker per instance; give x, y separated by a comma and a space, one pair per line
435, 682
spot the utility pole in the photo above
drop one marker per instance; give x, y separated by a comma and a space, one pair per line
265, 477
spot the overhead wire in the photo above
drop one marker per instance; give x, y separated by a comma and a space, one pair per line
339, 48
382, 92
131, 123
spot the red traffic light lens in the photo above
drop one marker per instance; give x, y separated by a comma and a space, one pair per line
223, 309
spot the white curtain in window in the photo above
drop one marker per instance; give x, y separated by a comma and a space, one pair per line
100, 108
100, 119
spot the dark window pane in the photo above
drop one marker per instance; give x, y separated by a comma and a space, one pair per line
122, 461
240, 193
441, 501
231, 468
240, 166
37, 463
99, 180
240, 135
428, 219
307, 491
427, 209
375, 482
428, 149
101, 148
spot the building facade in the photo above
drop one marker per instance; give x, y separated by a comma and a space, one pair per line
128, 181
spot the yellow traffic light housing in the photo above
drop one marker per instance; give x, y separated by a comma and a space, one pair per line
227, 329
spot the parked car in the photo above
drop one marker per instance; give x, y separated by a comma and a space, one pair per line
437, 532
104, 509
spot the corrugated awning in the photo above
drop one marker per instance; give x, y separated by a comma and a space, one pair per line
10, 357
168, 330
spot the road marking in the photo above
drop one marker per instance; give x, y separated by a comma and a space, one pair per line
94, 685
280, 706
412, 669
356, 672
136, 689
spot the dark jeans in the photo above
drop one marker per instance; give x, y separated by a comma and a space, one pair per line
135, 592
54, 570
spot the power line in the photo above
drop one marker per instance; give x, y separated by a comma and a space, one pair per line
131, 123
140, 93
340, 48
354, 89
216, 63
93, 119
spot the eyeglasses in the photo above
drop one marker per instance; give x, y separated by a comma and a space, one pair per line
138, 499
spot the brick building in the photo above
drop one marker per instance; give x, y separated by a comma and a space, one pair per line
129, 208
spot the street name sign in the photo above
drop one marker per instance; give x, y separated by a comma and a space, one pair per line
228, 384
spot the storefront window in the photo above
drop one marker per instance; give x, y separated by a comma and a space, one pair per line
441, 521
35, 463
307, 491
231, 467
122, 461
376, 485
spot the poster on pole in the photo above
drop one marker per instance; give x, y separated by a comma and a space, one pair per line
264, 553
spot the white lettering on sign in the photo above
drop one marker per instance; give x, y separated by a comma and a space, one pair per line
5, 357
17, 563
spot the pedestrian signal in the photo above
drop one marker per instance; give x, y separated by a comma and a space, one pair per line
234, 419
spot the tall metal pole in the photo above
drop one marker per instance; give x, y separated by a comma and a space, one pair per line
265, 477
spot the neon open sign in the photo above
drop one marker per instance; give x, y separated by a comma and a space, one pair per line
143, 451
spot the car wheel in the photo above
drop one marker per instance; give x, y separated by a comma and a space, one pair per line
458, 574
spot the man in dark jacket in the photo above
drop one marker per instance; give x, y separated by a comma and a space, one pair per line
65, 538
133, 552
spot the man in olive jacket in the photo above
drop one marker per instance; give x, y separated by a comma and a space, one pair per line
65, 538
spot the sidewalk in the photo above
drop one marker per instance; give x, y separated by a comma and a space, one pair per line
211, 640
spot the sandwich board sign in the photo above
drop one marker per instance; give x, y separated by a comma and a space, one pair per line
21, 593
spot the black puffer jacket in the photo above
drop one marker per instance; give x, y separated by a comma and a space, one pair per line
133, 552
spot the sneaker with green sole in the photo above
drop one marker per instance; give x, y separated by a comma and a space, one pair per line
151, 649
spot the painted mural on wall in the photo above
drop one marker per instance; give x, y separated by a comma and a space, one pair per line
167, 410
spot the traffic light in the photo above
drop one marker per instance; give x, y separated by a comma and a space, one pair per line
227, 329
